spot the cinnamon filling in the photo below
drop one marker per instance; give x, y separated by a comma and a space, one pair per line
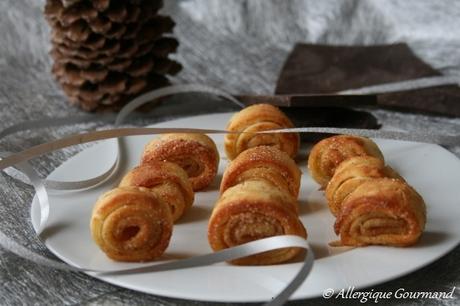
376, 226
246, 227
128, 233
191, 166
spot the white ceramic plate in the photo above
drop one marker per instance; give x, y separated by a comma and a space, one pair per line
432, 170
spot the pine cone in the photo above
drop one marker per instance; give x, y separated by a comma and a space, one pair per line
106, 52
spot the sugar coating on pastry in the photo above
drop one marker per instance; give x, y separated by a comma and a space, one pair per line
264, 163
258, 118
327, 155
350, 174
196, 153
167, 181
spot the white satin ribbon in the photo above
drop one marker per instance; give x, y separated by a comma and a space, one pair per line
87, 137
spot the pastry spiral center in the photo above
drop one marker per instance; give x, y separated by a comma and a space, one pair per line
190, 165
133, 233
246, 227
378, 224
129, 232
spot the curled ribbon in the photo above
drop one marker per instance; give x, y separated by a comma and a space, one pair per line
20, 162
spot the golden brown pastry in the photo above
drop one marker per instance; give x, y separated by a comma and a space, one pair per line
254, 210
327, 154
257, 118
167, 181
381, 212
263, 163
131, 224
350, 174
195, 153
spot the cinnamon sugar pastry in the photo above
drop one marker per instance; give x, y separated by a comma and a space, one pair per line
381, 211
131, 224
350, 174
257, 118
326, 155
167, 181
263, 163
195, 153
254, 210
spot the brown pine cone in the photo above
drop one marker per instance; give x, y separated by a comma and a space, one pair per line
106, 52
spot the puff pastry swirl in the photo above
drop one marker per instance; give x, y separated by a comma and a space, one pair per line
257, 118
381, 212
327, 155
350, 174
167, 181
195, 153
263, 163
250, 211
131, 224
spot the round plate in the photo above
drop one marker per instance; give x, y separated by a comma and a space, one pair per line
432, 170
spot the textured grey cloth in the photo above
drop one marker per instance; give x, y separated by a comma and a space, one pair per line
236, 45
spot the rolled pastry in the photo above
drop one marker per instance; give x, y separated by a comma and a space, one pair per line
250, 211
131, 224
195, 153
167, 181
327, 154
263, 163
256, 118
350, 174
381, 212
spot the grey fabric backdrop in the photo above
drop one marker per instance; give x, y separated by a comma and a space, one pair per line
237, 45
